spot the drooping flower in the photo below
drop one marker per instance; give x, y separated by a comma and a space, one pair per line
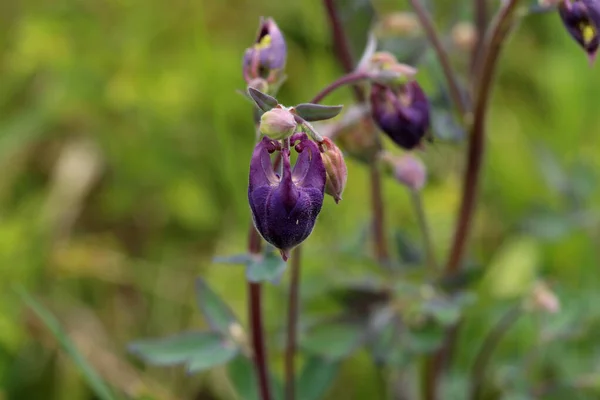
285, 208
407, 169
401, 112
266, 58
582, 20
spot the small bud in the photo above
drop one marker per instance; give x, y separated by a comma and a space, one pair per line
285, 208
407, 169
582, 20
399, 24
335, 167
464, 36
401, 112
277, 124
266, 59
542, 298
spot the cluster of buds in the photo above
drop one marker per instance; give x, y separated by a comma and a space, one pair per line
286, 201
582, 20
264, 62
399, 106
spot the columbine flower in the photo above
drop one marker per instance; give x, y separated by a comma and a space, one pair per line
285, 208
266, 59
402, 112
335, 167
582, 20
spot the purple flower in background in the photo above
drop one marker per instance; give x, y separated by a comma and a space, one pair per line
401, 112
267, 57
582, 19
285, 208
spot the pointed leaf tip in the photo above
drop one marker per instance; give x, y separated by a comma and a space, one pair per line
262, 100
216, 312
317, 112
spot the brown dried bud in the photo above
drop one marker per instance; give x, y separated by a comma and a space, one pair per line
464, 36
335, 166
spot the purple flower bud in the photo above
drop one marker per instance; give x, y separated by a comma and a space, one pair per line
277, 123
582, 19
335, 167
285, 208
407, 169
402, 113
266, 58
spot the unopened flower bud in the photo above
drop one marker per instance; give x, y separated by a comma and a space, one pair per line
398, 24
335, 167
277, 124
464, 36
266, 59
407, 169
401, 112
582, 20
542, 298
285, 208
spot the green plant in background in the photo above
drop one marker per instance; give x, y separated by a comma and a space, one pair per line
418, 326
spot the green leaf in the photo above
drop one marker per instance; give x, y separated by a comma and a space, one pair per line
216, 356
442, 310
262, 100
198, 350
316, 377
218, 314
241, 374
426, 338
333, 341
317, 112
99, 387
241, 259
269, 267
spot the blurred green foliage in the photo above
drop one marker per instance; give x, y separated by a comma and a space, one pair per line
124, 150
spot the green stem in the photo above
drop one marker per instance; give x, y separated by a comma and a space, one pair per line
490, 343
417, 200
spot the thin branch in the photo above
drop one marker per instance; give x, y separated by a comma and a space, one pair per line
417, 200
256, 322
340, 44
351, 78
480, 18
343, 52
292, 325
458, 97
499, 30
490, 343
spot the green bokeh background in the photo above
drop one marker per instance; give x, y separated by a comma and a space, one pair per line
142, 96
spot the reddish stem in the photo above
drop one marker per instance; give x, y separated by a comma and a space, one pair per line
342, 50
256, 322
